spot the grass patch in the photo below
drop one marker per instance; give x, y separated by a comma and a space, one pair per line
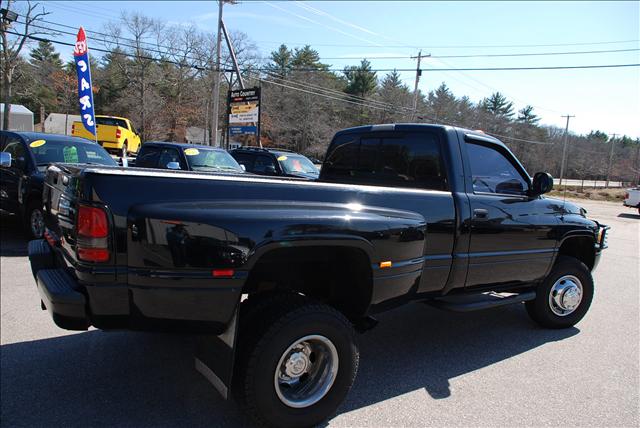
613, 195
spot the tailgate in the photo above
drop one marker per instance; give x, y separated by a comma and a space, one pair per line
107, 133
60, 196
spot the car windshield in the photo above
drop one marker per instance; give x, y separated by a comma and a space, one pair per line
296, 164
207, 159
69, 151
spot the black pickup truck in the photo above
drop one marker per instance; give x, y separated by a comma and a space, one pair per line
274, 276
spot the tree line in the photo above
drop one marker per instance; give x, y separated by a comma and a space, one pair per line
161, 77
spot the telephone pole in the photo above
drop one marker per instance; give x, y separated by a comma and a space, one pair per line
564, 148
213, 137
415, 88
613, 142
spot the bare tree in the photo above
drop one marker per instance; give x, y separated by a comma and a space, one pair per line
11, 48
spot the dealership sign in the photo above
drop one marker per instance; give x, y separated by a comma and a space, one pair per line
244, 116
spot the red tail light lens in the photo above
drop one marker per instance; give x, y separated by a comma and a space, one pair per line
92, 222
93, 254
222, 273
92, 230
118, 133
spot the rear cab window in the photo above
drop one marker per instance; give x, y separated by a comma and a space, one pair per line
112, 121
394, 159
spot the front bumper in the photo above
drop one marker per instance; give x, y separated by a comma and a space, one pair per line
601, 243
58, 290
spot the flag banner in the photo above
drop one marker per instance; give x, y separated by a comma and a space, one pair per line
85, 94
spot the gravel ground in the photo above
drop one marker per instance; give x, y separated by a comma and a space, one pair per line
419, 367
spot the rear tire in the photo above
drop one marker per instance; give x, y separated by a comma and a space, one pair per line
565, 295
297, 361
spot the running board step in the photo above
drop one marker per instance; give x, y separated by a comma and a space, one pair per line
479, 301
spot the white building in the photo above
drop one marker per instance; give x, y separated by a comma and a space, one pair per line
20, 118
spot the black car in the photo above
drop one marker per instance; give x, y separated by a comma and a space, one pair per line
275, 162
21, 178
186, 157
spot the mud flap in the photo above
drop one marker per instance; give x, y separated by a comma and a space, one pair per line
215, 356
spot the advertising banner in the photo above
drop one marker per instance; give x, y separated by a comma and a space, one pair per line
244, 117
85, 94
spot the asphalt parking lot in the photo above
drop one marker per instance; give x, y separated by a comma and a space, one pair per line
419, 367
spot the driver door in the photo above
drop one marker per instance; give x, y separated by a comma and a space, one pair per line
511, 232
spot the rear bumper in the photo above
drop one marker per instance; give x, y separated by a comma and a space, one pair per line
58, 290
110, 145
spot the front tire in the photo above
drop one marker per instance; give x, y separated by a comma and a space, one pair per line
564, 297
298, 367
34, 221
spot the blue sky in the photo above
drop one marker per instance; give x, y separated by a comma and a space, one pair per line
605, 99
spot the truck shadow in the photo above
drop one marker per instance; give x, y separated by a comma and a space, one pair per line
139, 379
627, 215
13, 239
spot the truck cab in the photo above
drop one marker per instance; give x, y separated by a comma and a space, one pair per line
115, 134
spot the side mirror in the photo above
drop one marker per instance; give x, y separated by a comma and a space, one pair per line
173, 165
5, 160
542, 183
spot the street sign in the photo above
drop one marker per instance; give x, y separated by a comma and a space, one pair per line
244, 116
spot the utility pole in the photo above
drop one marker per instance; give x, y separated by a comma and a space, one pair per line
415, 88
213, 138
564, 147
613, 142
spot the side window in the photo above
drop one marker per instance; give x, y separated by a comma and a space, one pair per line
18, 153
492, 172
264, 165
244, 159
169, 155
148, 157
387, 159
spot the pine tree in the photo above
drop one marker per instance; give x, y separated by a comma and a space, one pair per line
498, 105
526, 116
280, 62
361, 81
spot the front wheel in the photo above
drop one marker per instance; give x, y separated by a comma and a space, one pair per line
35, 220
300, 366
564, 297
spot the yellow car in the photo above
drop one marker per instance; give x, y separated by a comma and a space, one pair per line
116, 134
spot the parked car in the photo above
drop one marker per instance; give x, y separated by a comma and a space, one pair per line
275, 162
25, 158
116, 134
285, 271
187, 157
632, 198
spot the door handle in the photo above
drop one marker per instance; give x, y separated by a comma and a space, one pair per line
480, 214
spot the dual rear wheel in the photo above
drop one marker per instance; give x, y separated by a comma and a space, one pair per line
297, 360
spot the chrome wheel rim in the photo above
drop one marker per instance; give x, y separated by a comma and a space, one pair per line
306, 371
37, 223
565, 295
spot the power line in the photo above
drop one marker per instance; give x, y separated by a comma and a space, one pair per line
428, 47
492, 55
560, 67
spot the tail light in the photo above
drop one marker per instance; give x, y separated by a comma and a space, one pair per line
118, 133
92, 234
626, 195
